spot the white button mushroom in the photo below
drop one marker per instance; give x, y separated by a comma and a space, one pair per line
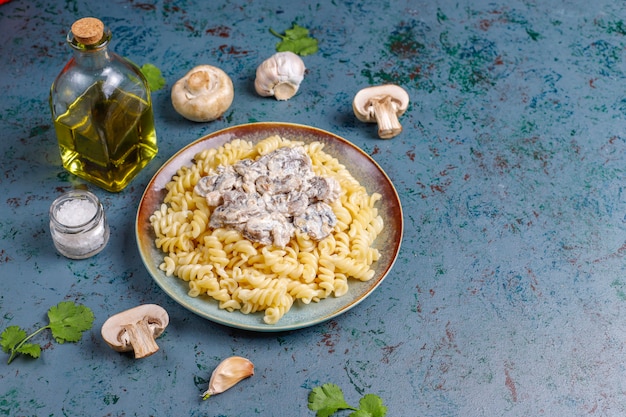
203, 94
136, 329
280, 76
382, 104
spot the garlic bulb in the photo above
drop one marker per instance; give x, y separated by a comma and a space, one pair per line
228, 373
280, 76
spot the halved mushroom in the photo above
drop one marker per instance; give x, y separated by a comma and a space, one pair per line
136, 329
382, 104
203, 94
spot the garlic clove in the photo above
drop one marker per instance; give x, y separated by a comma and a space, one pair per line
228, 373
280, 76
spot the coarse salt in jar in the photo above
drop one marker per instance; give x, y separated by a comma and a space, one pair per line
77, 224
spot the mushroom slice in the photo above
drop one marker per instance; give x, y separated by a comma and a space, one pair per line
136, 329
382, 104
203, 94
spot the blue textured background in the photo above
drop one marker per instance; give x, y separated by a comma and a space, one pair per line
508, 294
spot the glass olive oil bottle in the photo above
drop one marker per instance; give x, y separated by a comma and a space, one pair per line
102, 111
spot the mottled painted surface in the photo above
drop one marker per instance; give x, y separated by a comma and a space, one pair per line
508, 294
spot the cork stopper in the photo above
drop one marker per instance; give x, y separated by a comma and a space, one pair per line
88, 30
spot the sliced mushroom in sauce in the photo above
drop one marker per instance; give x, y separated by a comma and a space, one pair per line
268, 199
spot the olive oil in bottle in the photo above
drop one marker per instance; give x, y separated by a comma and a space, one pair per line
102, 111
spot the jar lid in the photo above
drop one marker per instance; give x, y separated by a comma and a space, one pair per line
88, 30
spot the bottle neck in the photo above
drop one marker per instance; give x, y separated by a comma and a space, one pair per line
91, 56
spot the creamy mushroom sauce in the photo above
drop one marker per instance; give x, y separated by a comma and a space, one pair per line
268, 199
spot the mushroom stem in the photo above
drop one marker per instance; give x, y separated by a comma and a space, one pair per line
385, 111
141, 336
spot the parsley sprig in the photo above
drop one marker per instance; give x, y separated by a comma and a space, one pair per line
296, 40
67, 322
327, 399
153, 76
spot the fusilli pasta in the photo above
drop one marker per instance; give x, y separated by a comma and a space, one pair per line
247, 276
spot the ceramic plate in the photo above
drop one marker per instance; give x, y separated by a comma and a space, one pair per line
360, 165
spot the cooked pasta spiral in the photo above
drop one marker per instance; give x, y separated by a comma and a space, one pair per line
246, 276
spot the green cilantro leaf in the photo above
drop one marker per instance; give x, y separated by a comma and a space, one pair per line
10, 337
31, 349
154, 77
373, 405
68, 321
296, 32
327, 399
296, 40
360, 413
301, 47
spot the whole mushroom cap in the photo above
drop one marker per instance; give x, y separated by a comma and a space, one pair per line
203, 94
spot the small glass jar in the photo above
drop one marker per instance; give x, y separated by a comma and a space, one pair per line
77, 224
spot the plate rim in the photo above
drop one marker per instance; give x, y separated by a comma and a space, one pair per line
153, 187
